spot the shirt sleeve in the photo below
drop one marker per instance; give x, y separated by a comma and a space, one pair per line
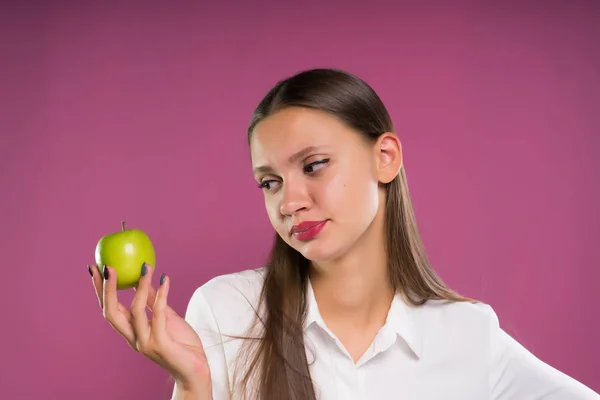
516, 374
199, 315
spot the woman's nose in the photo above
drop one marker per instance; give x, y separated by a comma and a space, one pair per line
294, 199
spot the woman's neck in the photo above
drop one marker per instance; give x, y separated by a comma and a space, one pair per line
355, 290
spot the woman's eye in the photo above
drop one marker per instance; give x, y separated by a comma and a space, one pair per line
267, 184
312, 167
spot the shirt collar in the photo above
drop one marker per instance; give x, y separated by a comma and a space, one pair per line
400, 320
312, 315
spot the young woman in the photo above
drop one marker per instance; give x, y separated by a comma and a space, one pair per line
347, 306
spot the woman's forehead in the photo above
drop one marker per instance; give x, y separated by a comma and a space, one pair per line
290, 131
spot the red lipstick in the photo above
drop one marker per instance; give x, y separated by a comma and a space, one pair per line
307, 230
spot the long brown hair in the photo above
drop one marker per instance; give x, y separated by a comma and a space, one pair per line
278, 366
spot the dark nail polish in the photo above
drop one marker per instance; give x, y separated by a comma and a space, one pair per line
105, 272
90, 270
162, 278
144, 269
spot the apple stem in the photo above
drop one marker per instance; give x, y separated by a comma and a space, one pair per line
123, 226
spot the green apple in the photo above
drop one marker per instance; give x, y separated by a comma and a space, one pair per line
125, 251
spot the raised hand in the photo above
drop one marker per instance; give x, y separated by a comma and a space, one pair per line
167, 339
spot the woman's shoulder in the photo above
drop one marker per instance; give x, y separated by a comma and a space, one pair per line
230, 300
246, 282
471, 310
464, 319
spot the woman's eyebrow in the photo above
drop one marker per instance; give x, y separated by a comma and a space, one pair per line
292, 159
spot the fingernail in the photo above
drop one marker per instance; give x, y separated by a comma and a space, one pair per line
162, 278
90, 270
105, 272
144, 269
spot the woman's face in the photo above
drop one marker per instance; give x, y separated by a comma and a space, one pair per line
321, 180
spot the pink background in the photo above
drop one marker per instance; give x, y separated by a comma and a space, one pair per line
139, 112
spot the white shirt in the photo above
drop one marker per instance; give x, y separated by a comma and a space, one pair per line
440, 350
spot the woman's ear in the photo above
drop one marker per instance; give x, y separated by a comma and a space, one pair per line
388, 154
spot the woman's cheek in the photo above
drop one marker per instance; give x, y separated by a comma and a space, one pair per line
350, 194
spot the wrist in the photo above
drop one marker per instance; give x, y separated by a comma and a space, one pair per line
193, 395
193, 391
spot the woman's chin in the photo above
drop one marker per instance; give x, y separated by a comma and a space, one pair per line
317, 251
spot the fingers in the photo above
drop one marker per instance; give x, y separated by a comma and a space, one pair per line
98, 282
139, 319
151, 296
159, 307
133, 324
115, 313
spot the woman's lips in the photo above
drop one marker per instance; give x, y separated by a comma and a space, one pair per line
307, 230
